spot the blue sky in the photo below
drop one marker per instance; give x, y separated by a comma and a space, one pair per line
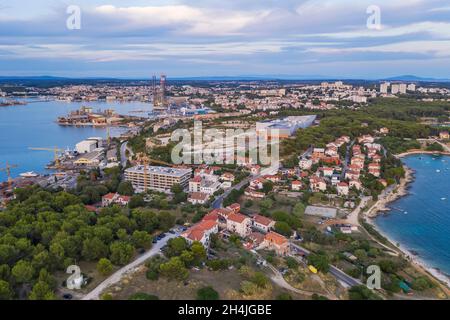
135, 39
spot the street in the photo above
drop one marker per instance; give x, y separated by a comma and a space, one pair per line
115, 277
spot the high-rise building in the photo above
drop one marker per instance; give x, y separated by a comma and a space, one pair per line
384, 87
402, 88
395, 89
162, 88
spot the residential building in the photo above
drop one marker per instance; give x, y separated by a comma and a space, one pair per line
198, 198
276, 242
239, 224
262, 223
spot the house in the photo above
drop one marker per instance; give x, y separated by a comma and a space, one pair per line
342, 189
305, 164
375, 169
201, 232
352, 175
296, 185
255, 169
317, 184
227, 176
249, 192
355, 184
327, 172
262, 223
239, 224
198, 198
384, 130
235, 207
444, 135
115, 198
257, 184
272, 178
276, 242
195, 183
366, 139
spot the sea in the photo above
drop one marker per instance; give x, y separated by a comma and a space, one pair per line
34, 125
420, 221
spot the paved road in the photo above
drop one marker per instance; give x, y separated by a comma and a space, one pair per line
123, 154
114, 278
337, 273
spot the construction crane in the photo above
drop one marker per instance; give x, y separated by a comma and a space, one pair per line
55, 151
108, 135
144, 160
7, 169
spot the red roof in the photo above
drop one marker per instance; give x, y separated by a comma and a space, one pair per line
237, 217
109, 196
276, 238
262, 220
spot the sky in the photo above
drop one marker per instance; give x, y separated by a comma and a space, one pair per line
187, 38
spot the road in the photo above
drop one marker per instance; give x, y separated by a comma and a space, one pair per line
337, 273
123, 154
115, 277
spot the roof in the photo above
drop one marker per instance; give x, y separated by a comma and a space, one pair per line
296, 182
196, 179
198, 196
237, 217
262, 220
276, 238
321, 211
109, 196
212, 216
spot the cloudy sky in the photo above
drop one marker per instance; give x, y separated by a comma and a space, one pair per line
138, 38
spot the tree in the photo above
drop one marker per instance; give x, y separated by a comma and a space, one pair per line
141, 239
176, 246
284, 296
320, 261
136, 201
207, 293
299, 210
166, 220
283, 228
121, 252
267, 187
143, 296
260, 279
23, 271
94, 249
199, 252
266, 204
5, 291
174, 269
361, 292
125, 188
104, 267
41, 291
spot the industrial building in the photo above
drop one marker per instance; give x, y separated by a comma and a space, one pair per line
286, 127
157, 178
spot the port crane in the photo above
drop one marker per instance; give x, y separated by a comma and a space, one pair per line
144, 160
55, 151
7, 169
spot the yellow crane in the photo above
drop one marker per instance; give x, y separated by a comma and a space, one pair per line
55, 151
7, 169
143, 159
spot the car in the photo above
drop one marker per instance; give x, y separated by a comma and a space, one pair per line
162, 236
67, 296
155, 240
141, 251
171, 232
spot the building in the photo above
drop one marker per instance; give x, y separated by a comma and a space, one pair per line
342, 189
157, 178
86, 146
402, 88
296, 185
262, 223
317, 184
198, 198
384, 87
114, 198
444, 135
201, 232
286, 127
90, 159
239, 224
395, 89
276, 242
324, 212
305, 164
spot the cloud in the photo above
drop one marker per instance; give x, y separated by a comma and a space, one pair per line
184, 19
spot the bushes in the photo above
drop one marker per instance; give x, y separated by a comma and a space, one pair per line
143, 296
104, 267
207, 293
361, 292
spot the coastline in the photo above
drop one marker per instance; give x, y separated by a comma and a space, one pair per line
381, 206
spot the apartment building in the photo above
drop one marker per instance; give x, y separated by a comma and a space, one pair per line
158, 178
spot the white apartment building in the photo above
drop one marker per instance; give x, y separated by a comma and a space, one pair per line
158, 178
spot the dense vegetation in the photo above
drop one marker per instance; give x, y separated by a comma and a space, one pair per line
42, 232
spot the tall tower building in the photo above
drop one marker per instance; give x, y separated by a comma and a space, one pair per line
162, 88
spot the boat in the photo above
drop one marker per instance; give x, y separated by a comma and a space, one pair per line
29, 174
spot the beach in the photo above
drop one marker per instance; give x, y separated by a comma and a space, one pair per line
390, 195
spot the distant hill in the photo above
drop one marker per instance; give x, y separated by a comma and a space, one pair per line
414, 78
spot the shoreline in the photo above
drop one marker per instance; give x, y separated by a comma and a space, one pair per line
381, 207
418, 151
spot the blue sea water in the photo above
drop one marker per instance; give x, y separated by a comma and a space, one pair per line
33, 125
420, 221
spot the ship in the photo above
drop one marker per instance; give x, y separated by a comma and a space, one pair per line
29, 174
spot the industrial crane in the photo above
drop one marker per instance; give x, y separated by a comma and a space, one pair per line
7, 169
55, 151
144, 160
